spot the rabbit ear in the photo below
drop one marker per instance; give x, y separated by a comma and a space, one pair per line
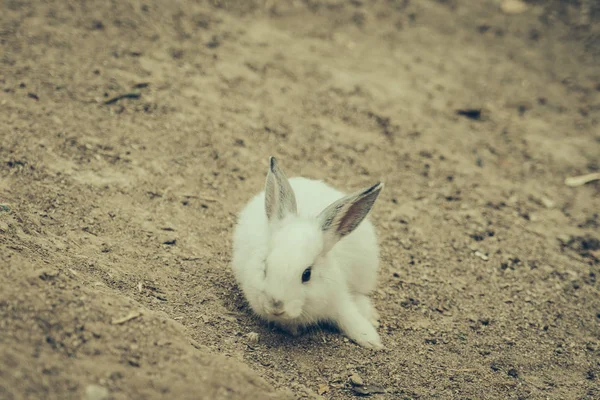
343, 216
279, 196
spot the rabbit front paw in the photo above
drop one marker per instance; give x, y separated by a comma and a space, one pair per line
358, 328
369, 339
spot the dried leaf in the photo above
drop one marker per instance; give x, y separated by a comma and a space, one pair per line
128, 317
323, 388
582, 179
253, 337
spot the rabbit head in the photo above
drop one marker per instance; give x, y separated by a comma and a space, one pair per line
299, 268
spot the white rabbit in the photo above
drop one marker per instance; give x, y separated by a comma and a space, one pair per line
301, 256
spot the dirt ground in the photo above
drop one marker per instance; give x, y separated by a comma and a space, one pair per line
133, 132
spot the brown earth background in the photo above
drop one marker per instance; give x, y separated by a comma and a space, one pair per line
132, 132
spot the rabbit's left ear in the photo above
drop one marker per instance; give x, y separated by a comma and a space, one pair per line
279, 196
343, 216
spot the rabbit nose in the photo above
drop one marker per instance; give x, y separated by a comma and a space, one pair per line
277, 304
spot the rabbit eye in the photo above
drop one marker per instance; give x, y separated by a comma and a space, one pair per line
306, 275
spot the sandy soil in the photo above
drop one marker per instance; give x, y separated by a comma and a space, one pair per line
133, 132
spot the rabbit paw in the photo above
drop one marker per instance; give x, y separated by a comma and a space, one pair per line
358, 328
369, 338
366, 308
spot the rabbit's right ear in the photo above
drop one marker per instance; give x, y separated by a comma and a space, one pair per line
279, 196
345, 215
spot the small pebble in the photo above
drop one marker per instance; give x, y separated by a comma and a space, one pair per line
96, 392
513, 6
356, 380
547, 202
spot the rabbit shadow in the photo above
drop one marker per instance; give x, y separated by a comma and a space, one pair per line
273, 334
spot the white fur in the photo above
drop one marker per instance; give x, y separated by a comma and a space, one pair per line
341, 279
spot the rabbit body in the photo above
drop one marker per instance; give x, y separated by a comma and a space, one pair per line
333, 247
